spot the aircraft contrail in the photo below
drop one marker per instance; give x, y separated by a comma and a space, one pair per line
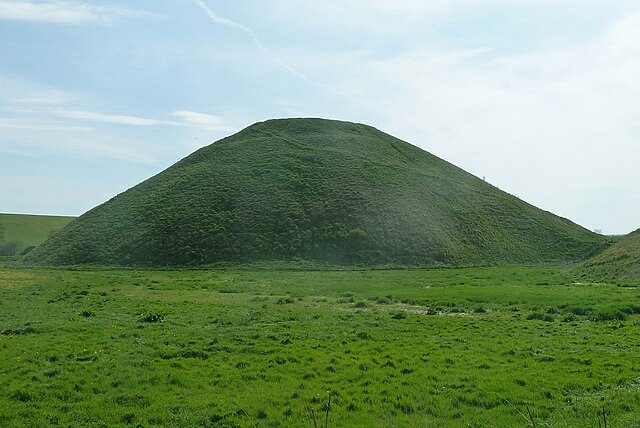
220, 20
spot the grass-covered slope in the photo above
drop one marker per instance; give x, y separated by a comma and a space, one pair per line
21, 232
619, 262
318, 190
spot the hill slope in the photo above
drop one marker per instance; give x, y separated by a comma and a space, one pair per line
19, 232
620, 262
317, 190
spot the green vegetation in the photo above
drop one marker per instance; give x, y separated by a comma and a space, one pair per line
621, 262
316, 190
475, 347
20, 233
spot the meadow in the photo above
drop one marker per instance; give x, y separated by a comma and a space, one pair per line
468, 347
21, 233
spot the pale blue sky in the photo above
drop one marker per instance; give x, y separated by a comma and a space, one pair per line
539, 96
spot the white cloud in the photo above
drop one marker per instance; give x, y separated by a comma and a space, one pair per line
116, 119
180, 118
36, 136
409, 16
60, 12
370, 15
550, 126
44, 98
200, 119
40, 125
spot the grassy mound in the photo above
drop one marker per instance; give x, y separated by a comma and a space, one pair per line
316, 190
619, 262
22, 232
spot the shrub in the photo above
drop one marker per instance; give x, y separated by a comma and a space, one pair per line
609, 315
360, 305
18, 331
540, 317
27, 250
580, 310
8, 248
631, 309
479, 309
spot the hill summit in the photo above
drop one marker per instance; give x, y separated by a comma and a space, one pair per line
317, 190
620, 262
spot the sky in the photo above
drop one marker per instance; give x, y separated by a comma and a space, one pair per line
538, 96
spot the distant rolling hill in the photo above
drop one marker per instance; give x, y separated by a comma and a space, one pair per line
20, 232
317, 190
619, 262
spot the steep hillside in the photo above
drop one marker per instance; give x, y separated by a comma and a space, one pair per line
620, 262
317, 190
21, 232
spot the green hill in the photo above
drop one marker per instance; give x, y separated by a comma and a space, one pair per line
317, 190
21, 232
619, 262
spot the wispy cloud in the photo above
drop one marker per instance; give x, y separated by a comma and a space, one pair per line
116, 119
34, 137
179, 118
39, 125
45, 98
61, 12
200, 119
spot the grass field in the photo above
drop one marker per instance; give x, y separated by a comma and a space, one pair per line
452, 347
21, 231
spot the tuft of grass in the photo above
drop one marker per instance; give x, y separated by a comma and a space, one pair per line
151, 317
383, 300
399, 315
22, 396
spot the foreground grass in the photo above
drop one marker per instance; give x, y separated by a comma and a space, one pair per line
465, 347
